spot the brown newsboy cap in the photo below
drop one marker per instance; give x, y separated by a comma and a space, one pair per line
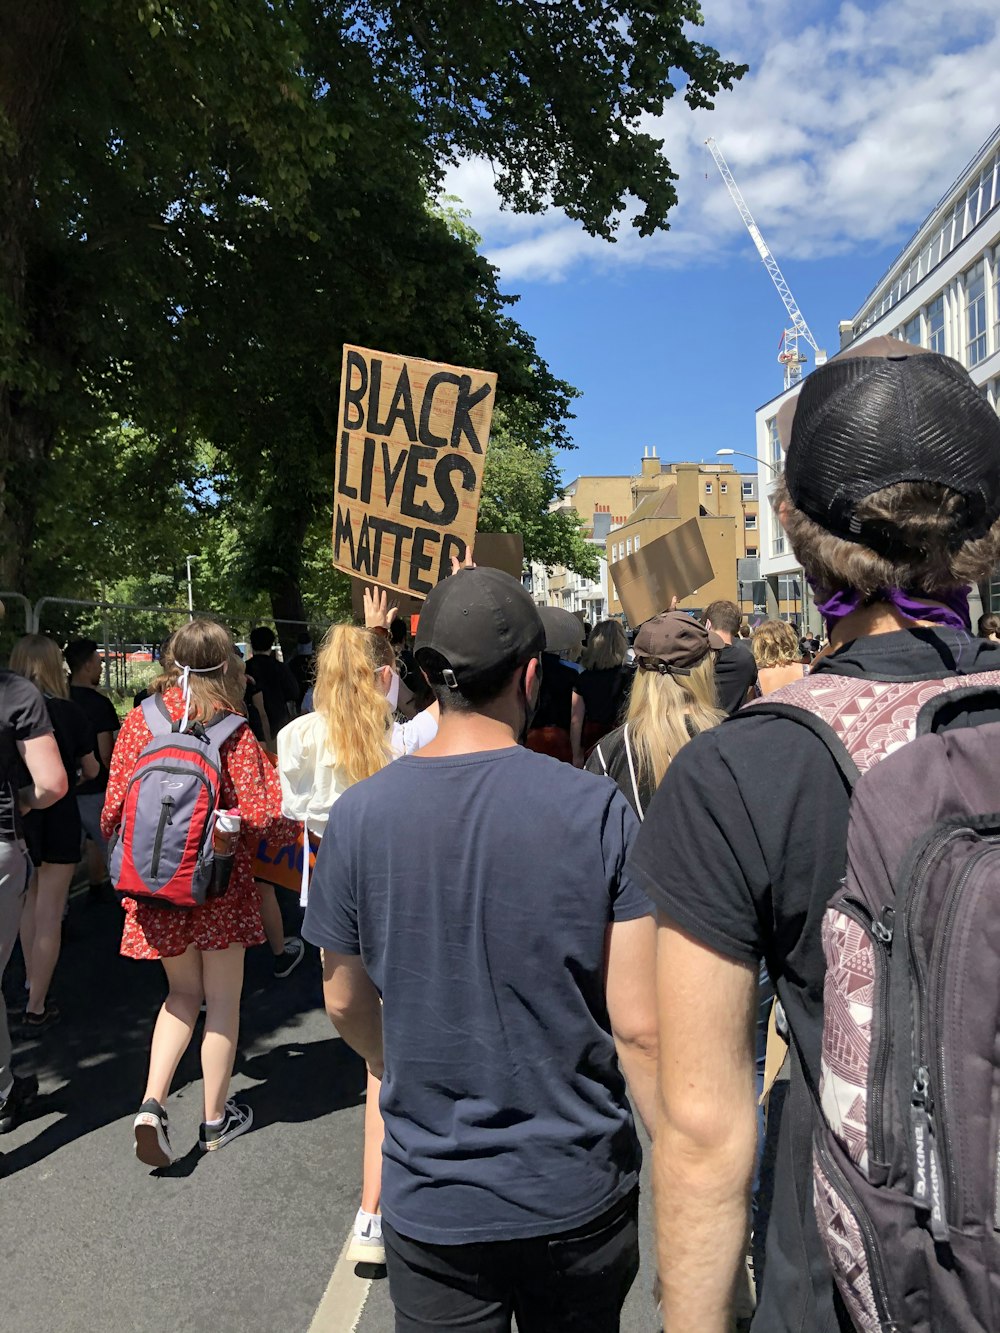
673, 643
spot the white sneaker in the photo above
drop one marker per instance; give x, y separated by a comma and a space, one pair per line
366, 1244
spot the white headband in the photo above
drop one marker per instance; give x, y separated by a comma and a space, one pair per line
186, 673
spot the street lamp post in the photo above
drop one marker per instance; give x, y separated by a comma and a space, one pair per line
188, 559
801, 574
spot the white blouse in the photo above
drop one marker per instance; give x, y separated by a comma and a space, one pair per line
310, 777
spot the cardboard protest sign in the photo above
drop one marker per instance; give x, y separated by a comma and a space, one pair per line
675, 565
411, 445
283, 868
492, 550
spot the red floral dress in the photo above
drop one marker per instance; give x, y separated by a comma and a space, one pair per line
250, 784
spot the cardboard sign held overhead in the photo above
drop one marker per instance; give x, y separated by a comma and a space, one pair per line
492, 550
675, 565
411, 446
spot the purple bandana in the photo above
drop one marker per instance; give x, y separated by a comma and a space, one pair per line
950, 607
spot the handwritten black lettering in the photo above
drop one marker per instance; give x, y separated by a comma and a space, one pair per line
421, 560
354, 394
390, 472
427, 436
342, 465
463, 421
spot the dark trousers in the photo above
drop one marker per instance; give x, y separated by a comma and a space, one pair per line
575, 1281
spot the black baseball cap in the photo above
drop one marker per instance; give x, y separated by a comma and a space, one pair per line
475, 625
886, 412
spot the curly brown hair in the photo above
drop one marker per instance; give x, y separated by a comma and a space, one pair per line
921, 516
775, 644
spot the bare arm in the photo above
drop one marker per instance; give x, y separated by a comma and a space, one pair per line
89, 767
105, 747
45, 766
706, 1129
576, 719
257, 700
630, 987
353, 1006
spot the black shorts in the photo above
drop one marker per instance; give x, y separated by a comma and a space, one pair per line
54, 835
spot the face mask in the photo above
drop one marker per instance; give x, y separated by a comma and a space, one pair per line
393, 692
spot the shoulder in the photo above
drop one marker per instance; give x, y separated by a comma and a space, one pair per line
22, 705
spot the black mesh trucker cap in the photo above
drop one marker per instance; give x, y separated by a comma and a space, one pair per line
883, 413
475, 624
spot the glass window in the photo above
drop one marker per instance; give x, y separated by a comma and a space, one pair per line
708, 488
747, 490
750, 522
996, 298
628, 545
774, 442
778, 545
975, 314
911, 330
935, 325
724, 487
751, 552
637, 540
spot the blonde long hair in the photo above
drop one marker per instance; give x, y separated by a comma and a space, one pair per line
348, 698
663, 707
217, 680
40, 660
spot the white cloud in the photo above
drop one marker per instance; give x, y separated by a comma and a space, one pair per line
845, 132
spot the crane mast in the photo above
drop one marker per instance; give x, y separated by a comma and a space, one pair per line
789, 356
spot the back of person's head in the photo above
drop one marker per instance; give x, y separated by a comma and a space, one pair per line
674, 693
989, 626
203, 659
775, 644
38, 659
397, 633
724, 617
477, 630
348, 695
606, 647
744, 631
262, 639
78, 653
892, 478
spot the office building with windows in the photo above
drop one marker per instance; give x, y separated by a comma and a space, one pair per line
941, 292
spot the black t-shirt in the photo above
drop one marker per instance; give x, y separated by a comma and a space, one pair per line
611, 759
735, 672
604, 693
504, 1106
23, 717
743, 845
278, 686
555, 700
102, 717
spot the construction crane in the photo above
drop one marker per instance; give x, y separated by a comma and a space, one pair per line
789, 355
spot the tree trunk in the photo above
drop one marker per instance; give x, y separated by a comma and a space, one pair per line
284, 587
31, 52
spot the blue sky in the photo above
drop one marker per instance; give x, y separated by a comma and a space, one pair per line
851, 124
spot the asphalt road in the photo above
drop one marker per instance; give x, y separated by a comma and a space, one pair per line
240, 1241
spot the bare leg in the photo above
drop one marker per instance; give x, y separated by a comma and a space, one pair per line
27, 927
223, 970
371, 1172
270, 915
53, 883
97, 870
175, 1022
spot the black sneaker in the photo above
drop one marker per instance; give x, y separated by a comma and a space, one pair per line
34, 1022
236, 1121
287, 961
152, 1141
20, 1097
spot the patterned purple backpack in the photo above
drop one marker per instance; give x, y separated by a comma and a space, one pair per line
906, 1133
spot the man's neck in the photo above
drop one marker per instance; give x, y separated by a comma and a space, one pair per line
867, 621
470, 733
727, 639
87, 684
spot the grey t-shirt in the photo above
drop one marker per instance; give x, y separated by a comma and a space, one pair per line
478, 890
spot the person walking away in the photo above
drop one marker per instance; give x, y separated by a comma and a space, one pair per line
321, 755
891, 501
273, 679
735, 669
83, 661
673, 699
201, 949
515, 972
776, 652
27, 747
600, 692
53, 835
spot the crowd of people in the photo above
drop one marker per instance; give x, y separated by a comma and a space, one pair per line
553, 879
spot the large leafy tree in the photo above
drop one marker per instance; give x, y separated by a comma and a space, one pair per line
199, 204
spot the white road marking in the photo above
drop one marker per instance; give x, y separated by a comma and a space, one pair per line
344, 1298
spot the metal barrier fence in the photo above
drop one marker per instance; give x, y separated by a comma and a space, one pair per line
129, 636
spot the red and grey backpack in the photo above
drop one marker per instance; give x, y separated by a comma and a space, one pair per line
163, 851
906, 1123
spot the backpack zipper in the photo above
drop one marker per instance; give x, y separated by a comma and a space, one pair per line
166, 817
880, 1290
881, 933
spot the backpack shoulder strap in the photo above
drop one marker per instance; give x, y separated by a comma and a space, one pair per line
600, 758
227, 725
631, 772
836, 747
941, 712
156, 716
